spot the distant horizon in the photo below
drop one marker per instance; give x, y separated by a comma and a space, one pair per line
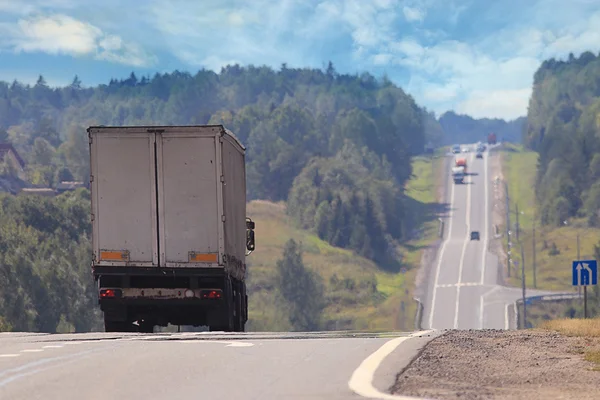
149, 75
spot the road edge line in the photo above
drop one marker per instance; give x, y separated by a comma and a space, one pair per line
361, 381
441, 253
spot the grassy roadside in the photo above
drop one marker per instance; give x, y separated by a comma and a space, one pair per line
588, 329
555, 247
553, 267
360, 296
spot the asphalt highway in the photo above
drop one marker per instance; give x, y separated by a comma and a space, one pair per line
332, 365
464, 291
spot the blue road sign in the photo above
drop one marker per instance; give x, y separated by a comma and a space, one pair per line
585, 272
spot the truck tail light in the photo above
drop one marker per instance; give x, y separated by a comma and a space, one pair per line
110, 293
212, 294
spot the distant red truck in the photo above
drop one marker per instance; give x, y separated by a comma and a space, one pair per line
492, 138
461, 162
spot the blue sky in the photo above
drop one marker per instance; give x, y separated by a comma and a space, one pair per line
476, 57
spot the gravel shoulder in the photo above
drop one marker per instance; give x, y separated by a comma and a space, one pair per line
496, 364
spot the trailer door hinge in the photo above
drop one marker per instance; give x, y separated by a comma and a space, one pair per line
222, 178
222, 218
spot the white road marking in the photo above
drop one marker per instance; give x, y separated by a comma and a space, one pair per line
482, 303
486, 211
227, 343
361, 381
449, 285
441, 256
32, 350
506, 323
240, 344
464, 249
53, 346
9, 355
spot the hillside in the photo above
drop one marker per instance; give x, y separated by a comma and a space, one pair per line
46, 254
464, 129
555, 180
359, 294
295, 122
563, 127
338, 150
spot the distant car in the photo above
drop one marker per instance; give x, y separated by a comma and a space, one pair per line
474, 235
455, 149
465, 149
479, 155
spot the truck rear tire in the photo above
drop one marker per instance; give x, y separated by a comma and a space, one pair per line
238, 323
118, 326
146, 327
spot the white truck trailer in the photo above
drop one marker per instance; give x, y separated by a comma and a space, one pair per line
458, 174
170, 234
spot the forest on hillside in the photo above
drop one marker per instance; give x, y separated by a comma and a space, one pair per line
336, 148
563, 126
337, 134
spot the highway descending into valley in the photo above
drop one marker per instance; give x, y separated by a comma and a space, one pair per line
463, 290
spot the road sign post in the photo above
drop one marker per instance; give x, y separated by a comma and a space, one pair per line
585, 273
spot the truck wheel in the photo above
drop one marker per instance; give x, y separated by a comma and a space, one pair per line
238, 322
118, 326
243, 312
226, 323
146, 327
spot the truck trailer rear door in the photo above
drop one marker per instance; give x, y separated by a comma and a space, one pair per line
190, 197
123, 197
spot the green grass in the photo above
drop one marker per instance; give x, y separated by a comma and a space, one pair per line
361, 296
553, 271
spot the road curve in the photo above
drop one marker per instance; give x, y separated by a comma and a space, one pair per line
326, 365
464, 290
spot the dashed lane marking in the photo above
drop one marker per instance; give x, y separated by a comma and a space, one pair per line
453, 285
227, 343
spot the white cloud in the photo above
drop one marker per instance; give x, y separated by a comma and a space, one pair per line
441, 93
489, 76
450, 58
508, 104
413, 14
467, 79
382, 59
61, 34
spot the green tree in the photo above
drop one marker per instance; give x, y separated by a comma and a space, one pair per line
302, 289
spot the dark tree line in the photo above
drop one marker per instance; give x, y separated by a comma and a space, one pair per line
564, 128
290, 120
45, 282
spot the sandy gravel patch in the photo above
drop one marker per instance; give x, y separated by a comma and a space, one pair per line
495, 364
